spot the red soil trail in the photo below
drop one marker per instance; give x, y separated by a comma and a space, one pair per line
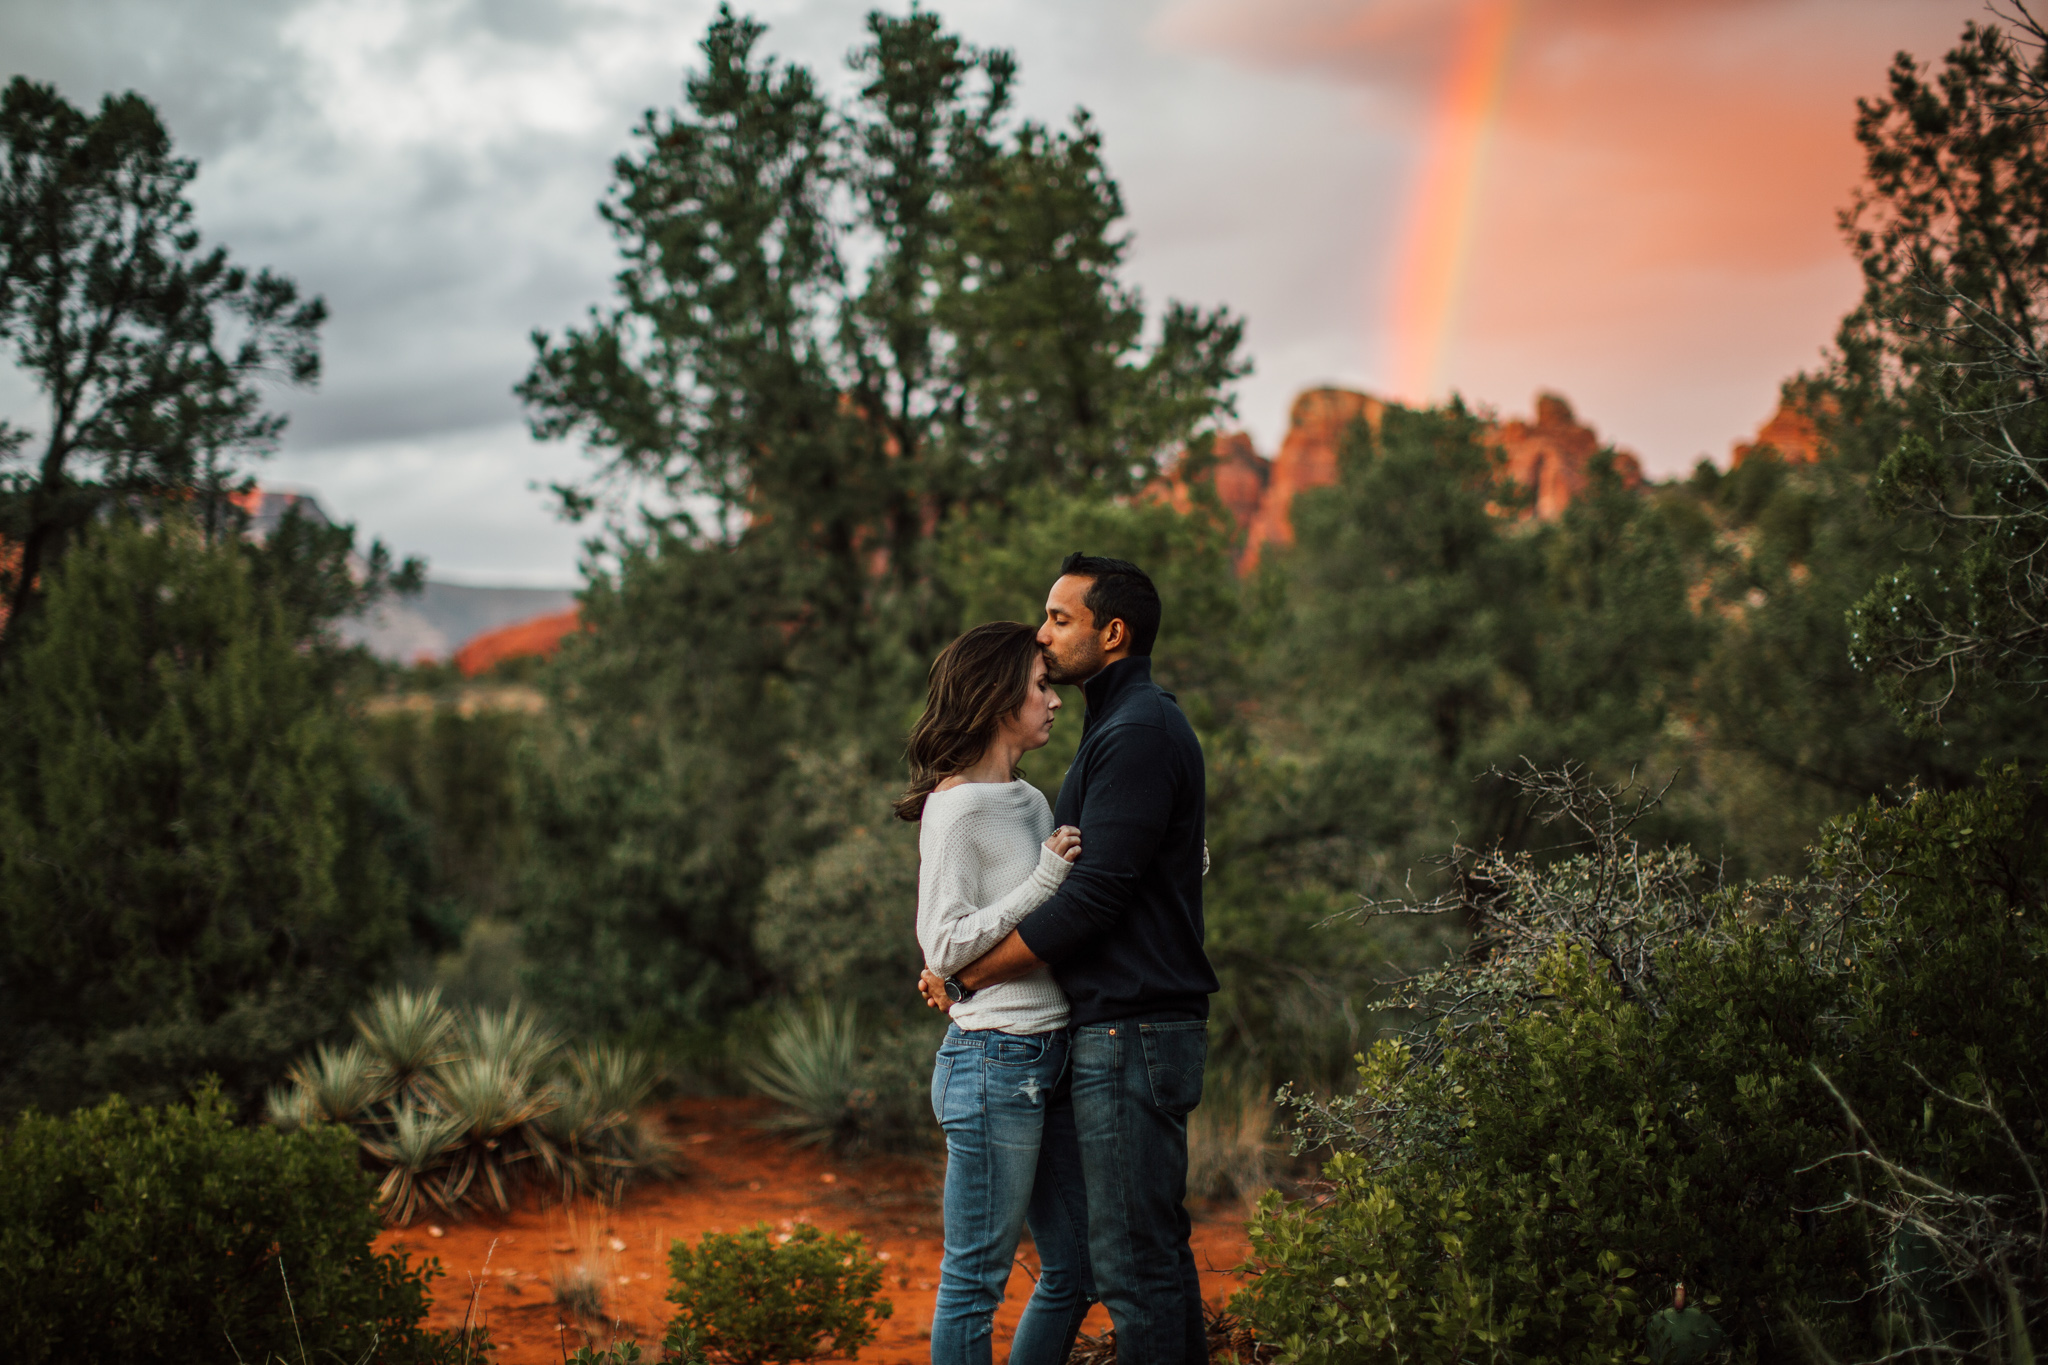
735, 1175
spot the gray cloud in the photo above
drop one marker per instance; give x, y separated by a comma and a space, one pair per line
431, 167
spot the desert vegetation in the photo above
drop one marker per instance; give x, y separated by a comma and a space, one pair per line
460, 1110
1647, 894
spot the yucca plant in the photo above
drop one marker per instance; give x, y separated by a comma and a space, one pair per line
616, 1079
339, 1084
511, 1036
416, 1143
458, 1109
289, 1107
599, 1142
411, 1033
494, 1106
812, 1069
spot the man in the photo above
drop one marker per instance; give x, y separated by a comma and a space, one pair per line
1124, 937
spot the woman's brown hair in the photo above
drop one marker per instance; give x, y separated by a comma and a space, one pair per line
976, 682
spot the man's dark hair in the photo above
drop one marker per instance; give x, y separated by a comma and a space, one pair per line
1121, 589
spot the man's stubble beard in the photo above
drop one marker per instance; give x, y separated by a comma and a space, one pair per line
1074, 671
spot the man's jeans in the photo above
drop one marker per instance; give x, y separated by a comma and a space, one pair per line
1133, 1085
1011, 1154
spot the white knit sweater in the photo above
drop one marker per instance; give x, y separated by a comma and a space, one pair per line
984, 867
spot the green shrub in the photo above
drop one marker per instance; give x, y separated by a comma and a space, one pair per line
753, 1298
678, 1347
171, 1235
1623, 1089
197, 872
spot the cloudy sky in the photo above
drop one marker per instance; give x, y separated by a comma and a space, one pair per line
1631, 202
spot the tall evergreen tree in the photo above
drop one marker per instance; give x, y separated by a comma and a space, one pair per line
145, 347
196, 875
1945, 356
837, 329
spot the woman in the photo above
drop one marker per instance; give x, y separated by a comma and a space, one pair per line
989, 856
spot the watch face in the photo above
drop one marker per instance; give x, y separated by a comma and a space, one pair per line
955, 992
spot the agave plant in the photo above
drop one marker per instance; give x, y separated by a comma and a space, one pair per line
411, 1033
339, 1084
415, 1143
812, 1069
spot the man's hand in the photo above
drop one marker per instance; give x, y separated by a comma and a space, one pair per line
1006, 961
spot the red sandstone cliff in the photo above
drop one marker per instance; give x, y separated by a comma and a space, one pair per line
1550, 454
1790, 431
1316, 427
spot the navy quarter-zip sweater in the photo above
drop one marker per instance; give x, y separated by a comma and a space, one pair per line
1124, 931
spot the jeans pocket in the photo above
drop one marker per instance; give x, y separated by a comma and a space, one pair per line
1016, 1051
942, 1071
1175, 1055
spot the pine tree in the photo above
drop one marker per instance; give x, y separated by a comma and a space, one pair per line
839, 329
146, 349
196, 874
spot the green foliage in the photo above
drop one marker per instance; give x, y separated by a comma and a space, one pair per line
459, 773
173, 1235
753, 1297
678, 1347
1626, 1094
1420, 637
197, 874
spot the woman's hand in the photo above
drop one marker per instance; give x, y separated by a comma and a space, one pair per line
1065, 841
932, 987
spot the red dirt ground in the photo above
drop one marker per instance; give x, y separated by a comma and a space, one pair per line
735, 1175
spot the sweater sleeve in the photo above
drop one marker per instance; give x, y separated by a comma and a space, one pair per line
1123, 823
951, 928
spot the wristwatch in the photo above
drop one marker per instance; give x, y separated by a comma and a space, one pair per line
956, 992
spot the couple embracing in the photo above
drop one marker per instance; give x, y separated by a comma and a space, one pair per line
1067, 946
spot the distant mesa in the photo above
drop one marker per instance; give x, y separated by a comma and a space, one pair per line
1550, 455
443, 621
538, 638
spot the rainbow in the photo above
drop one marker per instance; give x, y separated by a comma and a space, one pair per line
1433, 255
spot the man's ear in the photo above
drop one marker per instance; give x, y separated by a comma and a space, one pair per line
1116, 636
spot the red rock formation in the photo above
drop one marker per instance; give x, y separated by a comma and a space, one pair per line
541, 636
1238, 473
1316, 427
1550, 456
1791, 432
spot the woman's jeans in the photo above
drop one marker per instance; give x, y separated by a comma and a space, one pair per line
993, 1095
